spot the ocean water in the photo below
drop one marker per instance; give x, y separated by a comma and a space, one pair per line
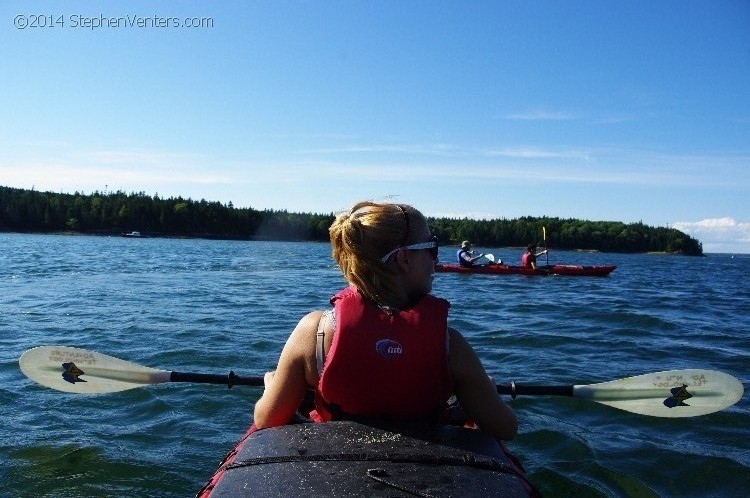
214, 306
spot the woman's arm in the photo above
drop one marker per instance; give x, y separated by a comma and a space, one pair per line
476, 392
475, 258
285, 388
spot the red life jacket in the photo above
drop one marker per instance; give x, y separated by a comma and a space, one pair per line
527, 259
385, 365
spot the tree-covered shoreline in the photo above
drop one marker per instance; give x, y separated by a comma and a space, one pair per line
114, 213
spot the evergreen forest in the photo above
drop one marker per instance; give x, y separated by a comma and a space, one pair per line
115, 213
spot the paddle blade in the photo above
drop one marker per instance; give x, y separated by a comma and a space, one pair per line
673, 393
75, 370
490, 257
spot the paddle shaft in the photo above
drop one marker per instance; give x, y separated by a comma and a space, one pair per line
235, 380
230, 380
514, 390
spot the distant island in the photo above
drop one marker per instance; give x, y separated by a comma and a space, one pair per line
120, 213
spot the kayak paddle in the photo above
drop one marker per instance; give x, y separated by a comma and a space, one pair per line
75, 370
491, 258
674, 393
671, 393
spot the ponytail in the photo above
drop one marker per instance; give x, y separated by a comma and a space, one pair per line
360, 238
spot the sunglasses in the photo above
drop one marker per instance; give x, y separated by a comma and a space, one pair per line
431, 244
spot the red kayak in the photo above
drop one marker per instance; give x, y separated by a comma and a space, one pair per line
568, 270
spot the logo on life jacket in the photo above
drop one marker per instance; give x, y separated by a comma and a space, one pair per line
389, 349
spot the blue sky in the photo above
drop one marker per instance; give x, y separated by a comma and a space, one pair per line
600, 110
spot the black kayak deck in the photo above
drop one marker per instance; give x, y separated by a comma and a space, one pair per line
352, 459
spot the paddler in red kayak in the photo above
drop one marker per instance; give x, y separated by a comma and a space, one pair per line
385, 350
528, 259
465, 255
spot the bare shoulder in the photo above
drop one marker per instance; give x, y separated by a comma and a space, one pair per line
454, 334
458, 346
463, 360
300, 347
310, 320
303, 334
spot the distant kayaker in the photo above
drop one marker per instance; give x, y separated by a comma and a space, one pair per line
529, 258
385, 350
465, 255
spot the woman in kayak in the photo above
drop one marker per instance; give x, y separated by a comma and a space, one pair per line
528, 259
385, 351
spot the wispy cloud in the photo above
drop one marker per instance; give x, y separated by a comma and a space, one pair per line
66, 177
603, 118
441, 149
321, 135
536, 153
613, 119
453, 150
137, 157
61, 166
454, 162
66, 169
543, 115
544, 164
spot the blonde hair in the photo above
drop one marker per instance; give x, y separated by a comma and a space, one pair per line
362, 236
